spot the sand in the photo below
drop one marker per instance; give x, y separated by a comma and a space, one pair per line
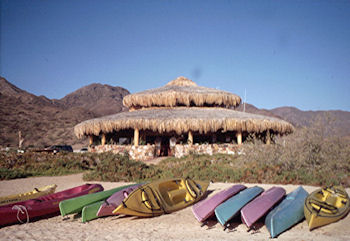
180, 225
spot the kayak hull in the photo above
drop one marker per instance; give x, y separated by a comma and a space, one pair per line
257, 208
325, 206
288, 213
45, 206
76, 205
35, 193
108, 206
205, 208
160, 197
90, 212
229, 209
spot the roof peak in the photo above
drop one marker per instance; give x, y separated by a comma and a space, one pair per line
181, 81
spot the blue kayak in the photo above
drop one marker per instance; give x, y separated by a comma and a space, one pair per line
289, 212
229, 209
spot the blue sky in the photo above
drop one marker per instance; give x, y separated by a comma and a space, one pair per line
283, 53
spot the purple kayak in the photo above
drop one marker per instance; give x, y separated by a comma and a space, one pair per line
205, 209
261, 205
107, 208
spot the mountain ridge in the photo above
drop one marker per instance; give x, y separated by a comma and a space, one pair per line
45, 121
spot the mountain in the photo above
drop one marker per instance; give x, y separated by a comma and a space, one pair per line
10, 90
98, 98
335, 121
44, 122
252, 109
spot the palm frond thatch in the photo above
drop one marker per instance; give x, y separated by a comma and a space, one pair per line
182, 120
181, 92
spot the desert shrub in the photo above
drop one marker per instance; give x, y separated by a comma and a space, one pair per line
6, 174
203, 167
14, 165
310, 156
120, 168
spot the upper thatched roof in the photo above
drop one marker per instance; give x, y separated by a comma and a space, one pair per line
181, 92
181, 120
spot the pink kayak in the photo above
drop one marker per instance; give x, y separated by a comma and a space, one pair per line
42, 207
261, 205
205, 209
107, 208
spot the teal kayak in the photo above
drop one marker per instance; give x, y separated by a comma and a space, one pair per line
75, 205
229, 209
289, 212
89, 212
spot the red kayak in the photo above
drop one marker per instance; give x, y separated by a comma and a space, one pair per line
42, 207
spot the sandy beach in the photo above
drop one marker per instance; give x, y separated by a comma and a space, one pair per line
180, 225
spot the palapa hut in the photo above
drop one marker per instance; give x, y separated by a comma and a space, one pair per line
176, 119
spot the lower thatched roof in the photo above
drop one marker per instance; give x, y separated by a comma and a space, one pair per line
182, 120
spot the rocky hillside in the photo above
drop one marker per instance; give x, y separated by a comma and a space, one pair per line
252, 109
98, 98
335, 122
44, 122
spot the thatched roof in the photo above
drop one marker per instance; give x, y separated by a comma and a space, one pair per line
183, 119
181, 92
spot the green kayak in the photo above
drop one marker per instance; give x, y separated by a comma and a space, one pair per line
90, 211
75, 205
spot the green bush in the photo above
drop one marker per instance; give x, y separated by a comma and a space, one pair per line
308, 156
120, 168
15, 165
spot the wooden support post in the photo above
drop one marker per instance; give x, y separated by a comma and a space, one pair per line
190, 138
239, 138
91, 140
268, 137
20, 140
136, 137
103, 139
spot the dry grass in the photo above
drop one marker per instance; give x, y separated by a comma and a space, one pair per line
304, 157
18, 165
308, 156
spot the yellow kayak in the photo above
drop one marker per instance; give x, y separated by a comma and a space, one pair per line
157, 198
35, 193
325, 206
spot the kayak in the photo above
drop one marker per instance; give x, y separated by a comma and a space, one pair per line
162, 197
257, 208
108, 206
35, 193
205, 208
90, 212
76, 205
230, 208
325, 206
42, 207
289, 212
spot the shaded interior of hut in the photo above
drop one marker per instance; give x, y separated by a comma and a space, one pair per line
165, 143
